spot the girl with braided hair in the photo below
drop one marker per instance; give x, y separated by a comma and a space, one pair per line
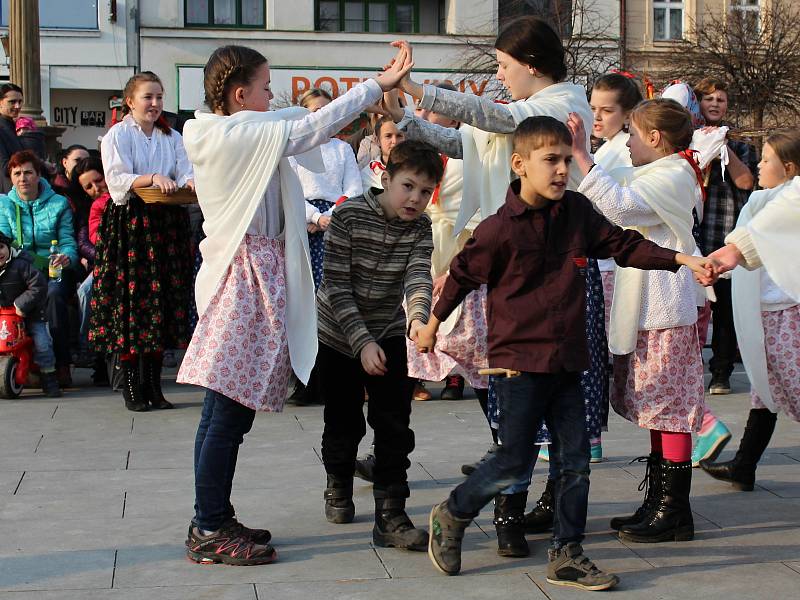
255, 290
143, 267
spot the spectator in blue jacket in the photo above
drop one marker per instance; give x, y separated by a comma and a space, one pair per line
33, 215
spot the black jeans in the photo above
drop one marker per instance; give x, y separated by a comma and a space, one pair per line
342, 384
723, 336
57, 314
526, 401
223, 425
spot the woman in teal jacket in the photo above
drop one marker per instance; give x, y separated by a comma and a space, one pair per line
33, 215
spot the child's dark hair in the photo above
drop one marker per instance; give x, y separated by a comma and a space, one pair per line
130, 90
533, 42
416, 156
535, 132
628, 94
228, 67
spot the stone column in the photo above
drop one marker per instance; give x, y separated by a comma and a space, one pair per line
23, 31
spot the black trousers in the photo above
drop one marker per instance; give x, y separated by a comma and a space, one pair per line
342, 383
723, 337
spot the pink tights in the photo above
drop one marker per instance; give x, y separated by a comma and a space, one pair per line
675, 447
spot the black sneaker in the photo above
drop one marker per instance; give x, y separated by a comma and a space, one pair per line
568, 566
259, 536
720, 385
365, 468
453, 388
469, 469
230, 545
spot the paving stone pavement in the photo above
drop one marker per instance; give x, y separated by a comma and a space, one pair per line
95, 502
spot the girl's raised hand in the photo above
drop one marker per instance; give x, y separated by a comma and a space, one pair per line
392, 107
399, 68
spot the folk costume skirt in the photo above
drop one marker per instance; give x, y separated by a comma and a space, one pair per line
462, 351
660, 384
142, 279
239, 347
782, 341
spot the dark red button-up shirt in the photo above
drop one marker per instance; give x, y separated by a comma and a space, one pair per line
534, 264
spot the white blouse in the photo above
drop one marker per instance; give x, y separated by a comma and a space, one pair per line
341, 177
371, 175
128, 153
305, 134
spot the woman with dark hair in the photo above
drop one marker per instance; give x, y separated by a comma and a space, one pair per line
10, 105
88, 188
69, 156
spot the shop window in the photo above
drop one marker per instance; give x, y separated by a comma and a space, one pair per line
386, 16
224, 13
57, 14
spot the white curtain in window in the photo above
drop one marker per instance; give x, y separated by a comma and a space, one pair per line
379, 16
225, 12
354, 16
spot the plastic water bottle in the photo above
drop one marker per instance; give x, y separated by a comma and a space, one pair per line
54, 270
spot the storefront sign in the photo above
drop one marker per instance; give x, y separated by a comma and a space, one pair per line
288, 83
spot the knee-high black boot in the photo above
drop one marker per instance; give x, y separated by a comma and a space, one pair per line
671, 518
151, 384
741, 471
651, 484
540, 519
131, 388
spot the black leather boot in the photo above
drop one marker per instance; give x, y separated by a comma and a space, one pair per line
651, 484
540, 519
393, 528
509, 523
671, 518
131, 388
151, 384
339, 507
741, 471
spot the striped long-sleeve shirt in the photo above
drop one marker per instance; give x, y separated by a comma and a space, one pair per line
370, 264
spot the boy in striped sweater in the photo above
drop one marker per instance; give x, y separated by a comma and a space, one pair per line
377, 253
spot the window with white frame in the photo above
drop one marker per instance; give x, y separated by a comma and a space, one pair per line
667, 19
749, 11
57, 14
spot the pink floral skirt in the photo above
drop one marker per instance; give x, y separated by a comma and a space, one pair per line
782, 341
239, 348
608, 294
660, 384
462, 351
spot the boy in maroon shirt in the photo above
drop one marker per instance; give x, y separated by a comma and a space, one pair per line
531, 255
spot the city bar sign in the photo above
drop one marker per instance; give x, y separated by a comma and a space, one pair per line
288, 83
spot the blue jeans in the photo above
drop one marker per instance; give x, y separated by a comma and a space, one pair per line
42, 345
223, 425
525, 402
84, 303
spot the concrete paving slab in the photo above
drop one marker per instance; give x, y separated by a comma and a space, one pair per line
210, 592
483, 587
72, 570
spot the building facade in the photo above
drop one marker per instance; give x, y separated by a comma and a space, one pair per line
88, 51
89, 48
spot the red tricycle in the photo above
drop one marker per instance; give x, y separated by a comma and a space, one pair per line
16, 353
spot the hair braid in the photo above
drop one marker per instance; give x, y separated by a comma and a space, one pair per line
229, 66
219, 87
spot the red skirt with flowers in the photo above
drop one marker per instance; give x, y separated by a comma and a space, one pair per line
142, 279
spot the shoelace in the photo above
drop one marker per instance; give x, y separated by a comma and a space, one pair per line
453, 381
